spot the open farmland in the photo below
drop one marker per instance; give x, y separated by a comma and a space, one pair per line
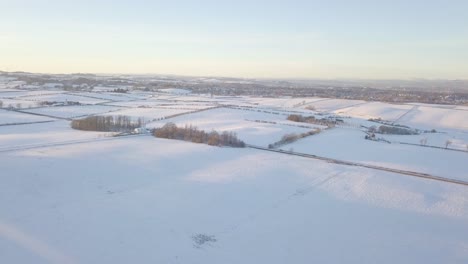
252, 127
72, 111
11, 118
72, 196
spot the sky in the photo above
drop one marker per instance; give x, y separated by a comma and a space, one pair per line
366, 39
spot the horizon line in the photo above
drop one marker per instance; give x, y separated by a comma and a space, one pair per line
244, 78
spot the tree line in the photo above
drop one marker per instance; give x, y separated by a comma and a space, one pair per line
290, 138
120, 90
55, 103
192, 134
393, 130
312, 120
107, 123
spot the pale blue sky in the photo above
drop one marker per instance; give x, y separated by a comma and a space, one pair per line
282, 39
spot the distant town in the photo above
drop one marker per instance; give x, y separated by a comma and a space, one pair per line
453, 92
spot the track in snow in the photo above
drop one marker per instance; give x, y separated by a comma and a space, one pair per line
63, 143
414, 108
356, 164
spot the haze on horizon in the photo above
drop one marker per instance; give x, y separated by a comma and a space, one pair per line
261, 39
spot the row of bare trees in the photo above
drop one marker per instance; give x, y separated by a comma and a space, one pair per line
107, 123
312, 120
393, 130
192, 134
10, 106
54, 103
290, 138
120, 90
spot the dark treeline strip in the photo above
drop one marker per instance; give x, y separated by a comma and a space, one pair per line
393, 130
120, 90
192, 134
290, 138
106, 123
312, 120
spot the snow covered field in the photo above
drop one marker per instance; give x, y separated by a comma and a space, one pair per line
66, 98
150, 200
163, 104
175, 91
376, 110
22, 93
147, 114
350, 145
73, 111
14, 137
427, 117
21, 104
283, 102
70, 196
111, 96
330, 105
11, 117
458, 139
241, 122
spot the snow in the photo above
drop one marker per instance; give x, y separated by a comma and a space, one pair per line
67, 98
429, 117
31, 135
461, 107
175, 91
384, 111
14, 84
459, 140
114, 97
52, 85
413, 115
330, 105
142, 103
163, 104
283, 102
241, 122
11, 117
349, 144
147, 114
191, 98
130, 200
70, 196
103, 88
22, 93
73, 111
22, 103
6, 93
